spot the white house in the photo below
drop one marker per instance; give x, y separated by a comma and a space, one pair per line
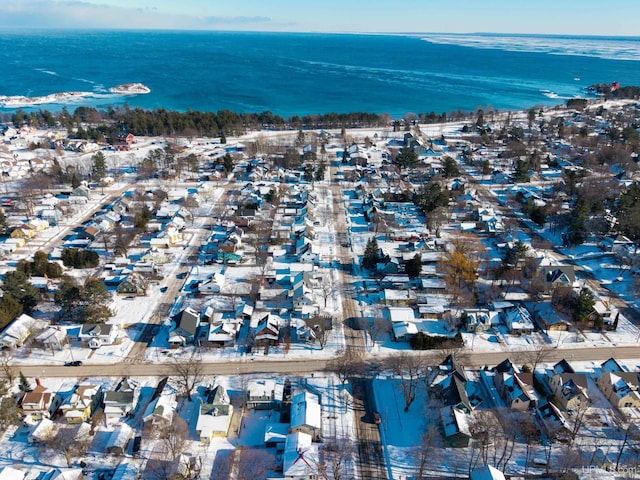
41, 432
213, 284
306, 414
18, 331
97, 335
300, 459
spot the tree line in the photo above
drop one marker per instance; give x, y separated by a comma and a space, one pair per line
88, 123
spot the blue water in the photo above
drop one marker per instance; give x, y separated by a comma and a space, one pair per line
298, 74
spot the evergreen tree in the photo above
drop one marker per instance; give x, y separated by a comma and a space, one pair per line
308, 173
9, 412
450, 168
413, 267
371, 254
583, 305
406, 158
24, 384
17, 285
10, 308
75, 180
227, 163
223, 137
99, 169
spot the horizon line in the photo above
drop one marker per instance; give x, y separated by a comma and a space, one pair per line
293, 32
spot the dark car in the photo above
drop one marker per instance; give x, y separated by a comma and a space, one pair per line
135, 447
376, 418
75, 363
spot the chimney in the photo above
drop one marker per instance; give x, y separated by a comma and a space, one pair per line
38, 382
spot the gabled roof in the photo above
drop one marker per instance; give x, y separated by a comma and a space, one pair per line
188, 320
305, 410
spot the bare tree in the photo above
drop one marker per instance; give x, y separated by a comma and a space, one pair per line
174, 436
576, 420
8, 371
188, 373
409, 368
322, 326
428, 452
534, 357
253, 464
346, 364
71, 441
631, 436
335, 458
377, 329
327, 288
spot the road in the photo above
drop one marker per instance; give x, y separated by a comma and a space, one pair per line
309, 365
372, 464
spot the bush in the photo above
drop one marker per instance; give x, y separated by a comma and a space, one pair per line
76, 258
422, 341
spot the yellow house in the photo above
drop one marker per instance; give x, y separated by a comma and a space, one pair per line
570, 389
214, 416
23, 232
82, 403
37, 225
620, 388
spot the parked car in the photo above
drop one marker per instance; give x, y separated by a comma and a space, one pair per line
75, 363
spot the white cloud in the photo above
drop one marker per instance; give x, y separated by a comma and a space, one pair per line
79, 14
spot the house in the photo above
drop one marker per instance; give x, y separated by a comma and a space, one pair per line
262, 394
604, 314
118, 440
95, 335
515, 387
82, 403
10, 473
161, 407
397, 297
487, 472
122, 141
477, 320
305, 414
553, 422
185, 327
18, 331
448, 382
81, 191
549, 319
275, 435
36, 404
214, 415
300, 459
212, 285
41, 432
569, 387
558, 275
119, 402
455, 424
620, 388
267, 332
133, 284
518, 321
404, 331
51, 338
223, 332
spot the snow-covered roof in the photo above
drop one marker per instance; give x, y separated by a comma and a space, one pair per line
305, 410
300, 456
401, 314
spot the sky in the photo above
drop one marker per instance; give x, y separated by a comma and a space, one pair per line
572, 17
